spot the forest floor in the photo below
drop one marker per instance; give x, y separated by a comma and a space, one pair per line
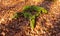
46, 24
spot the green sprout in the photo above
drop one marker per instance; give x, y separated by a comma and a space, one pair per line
27, 13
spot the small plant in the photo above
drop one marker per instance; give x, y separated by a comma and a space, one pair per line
31, 9
27, 13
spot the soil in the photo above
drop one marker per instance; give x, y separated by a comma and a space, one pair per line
46, 24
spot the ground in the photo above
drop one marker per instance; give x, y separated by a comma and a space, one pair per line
46, 24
